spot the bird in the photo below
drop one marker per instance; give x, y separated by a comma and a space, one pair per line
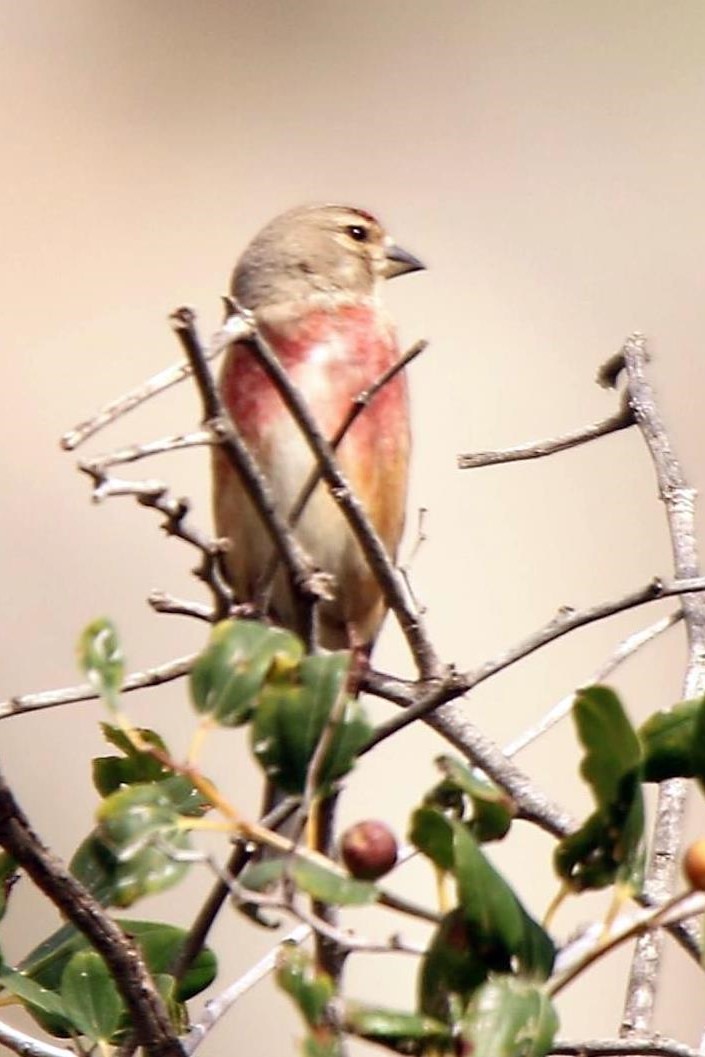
312, 280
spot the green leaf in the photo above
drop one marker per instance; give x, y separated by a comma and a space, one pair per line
94, 866
151, 870
508, 1017
608, 847
184, 797
668, 739
489, 932
44, 1005
167, 988
135, 849
100, 658
230, 673
453, 967
112, 772
611, 745
411, 1033
431, 833
310, 990
322, 884
698, 756
159, 943
131, 818
492, 809
496, 915
291, 718
329, 887
90, 996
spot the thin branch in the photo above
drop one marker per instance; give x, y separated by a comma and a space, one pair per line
239, 858
626, 648
67, 695
135, 452
154, 494
388, 578
26, 1046
451, 721
307, 584
679, 500
149, 1016
162, 602
637, 1046
235, 329
217, 1007
419, 701
622, 419
685, 904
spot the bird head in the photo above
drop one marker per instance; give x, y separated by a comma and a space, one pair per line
329, 249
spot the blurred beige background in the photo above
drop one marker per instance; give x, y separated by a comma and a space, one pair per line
546, 160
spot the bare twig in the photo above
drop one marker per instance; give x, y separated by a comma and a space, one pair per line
217, 1007
154, 494
135, 452
621, 419
67, 695
420, 701
237, 328
679, 501
239, 857
406, 564
626, 648
161, 602
26, 1046
638, 1046
532, 804
675, 909
149, 1016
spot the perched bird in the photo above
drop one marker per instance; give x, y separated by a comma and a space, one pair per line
312, 279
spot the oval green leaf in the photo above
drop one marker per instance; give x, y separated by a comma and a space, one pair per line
91, 999
230, 673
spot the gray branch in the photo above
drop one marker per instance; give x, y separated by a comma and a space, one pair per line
679, 500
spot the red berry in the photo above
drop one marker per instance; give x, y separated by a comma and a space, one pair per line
369, 849
694, 864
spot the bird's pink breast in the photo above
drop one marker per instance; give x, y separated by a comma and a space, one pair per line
331, 356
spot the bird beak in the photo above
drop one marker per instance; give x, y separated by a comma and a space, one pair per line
399, 262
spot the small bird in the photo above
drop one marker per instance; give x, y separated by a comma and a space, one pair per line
312, 279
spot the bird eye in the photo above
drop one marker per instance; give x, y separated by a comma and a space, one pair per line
357, 232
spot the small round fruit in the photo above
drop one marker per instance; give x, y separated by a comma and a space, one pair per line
369, 849
694, 865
